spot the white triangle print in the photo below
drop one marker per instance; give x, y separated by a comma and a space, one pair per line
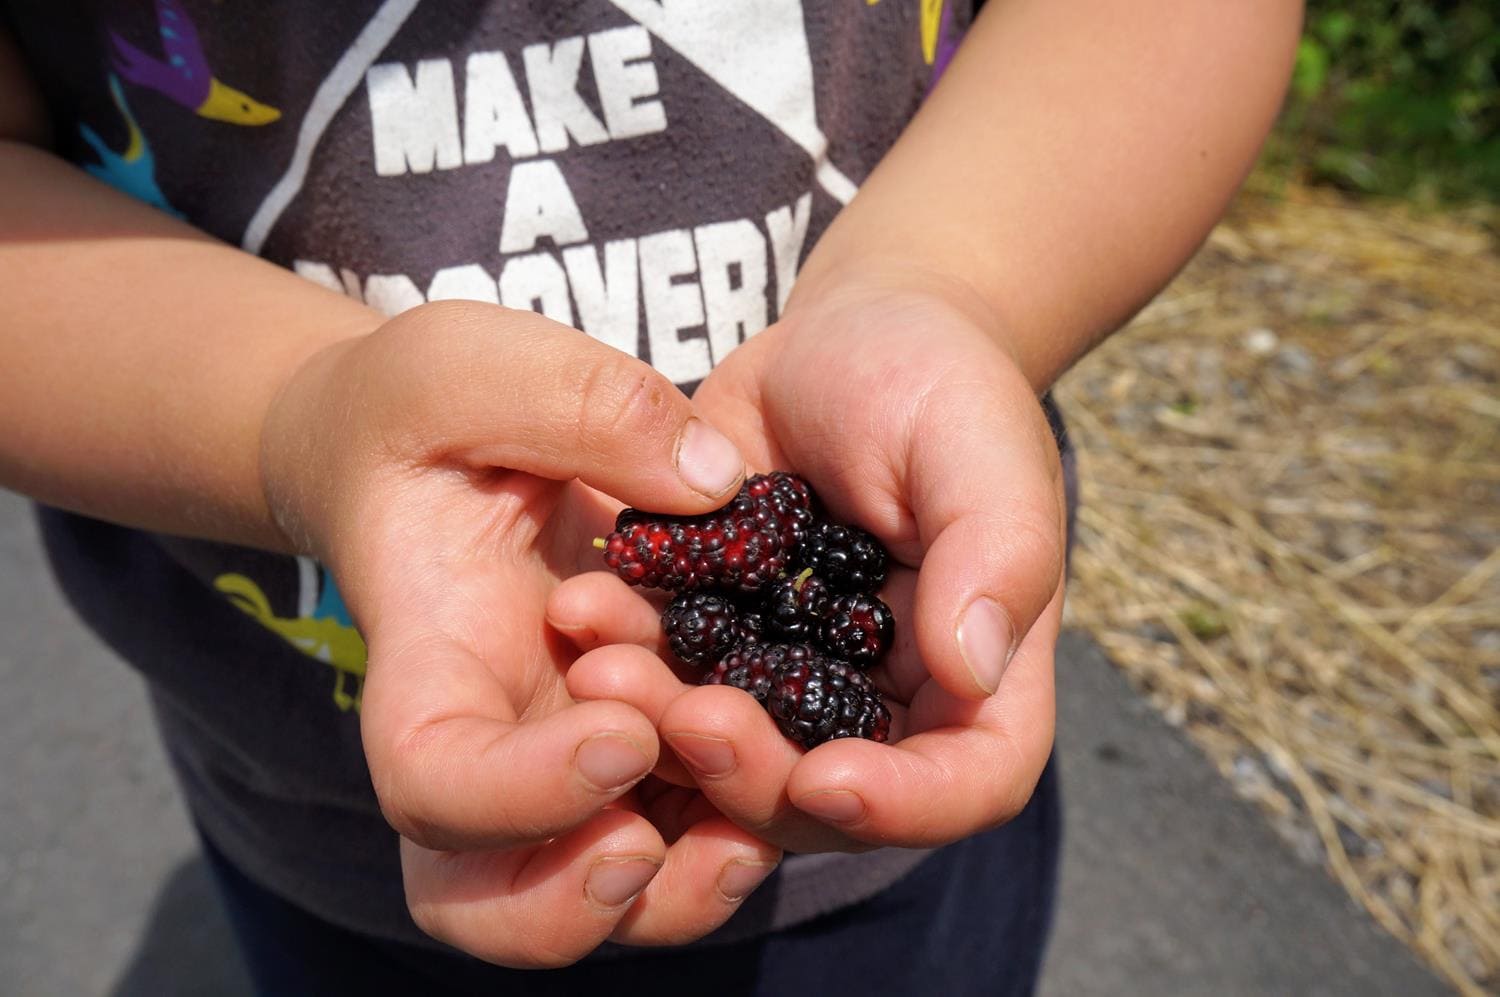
757, 50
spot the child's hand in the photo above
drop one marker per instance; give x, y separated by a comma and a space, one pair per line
907, 419
428, 465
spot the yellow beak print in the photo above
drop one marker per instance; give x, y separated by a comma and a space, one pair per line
225, 103
182, 72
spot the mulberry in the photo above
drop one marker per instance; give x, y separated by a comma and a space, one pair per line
847, 558
701, 627
858, 629
816, 699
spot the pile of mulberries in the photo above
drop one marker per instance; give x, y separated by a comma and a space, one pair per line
772, 599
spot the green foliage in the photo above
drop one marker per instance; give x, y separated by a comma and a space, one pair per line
1396, 97
1204, 622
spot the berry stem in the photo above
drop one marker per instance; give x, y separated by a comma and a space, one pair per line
599, 543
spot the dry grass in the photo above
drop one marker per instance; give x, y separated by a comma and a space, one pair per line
1290, 539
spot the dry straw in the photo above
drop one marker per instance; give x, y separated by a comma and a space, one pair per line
1290, 540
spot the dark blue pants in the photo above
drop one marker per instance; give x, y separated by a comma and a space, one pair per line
972, 919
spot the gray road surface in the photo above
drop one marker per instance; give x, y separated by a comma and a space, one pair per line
1170, 885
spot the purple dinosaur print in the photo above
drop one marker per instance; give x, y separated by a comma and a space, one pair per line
185, 76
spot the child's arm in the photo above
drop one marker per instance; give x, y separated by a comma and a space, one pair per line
1069, 162
156, 377
140, 356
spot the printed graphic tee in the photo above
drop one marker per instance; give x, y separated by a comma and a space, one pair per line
649, 171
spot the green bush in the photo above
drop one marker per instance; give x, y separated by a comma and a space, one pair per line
1396, 98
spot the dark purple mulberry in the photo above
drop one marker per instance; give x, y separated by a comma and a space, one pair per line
751, 667
858, 629
796, 606
847, 558
701, 627
750, 628
816, 699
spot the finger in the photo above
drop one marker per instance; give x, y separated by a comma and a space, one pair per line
901, 671
598, 608
537, 907
589, 411
450, 778
741, 763
672, 809
973, 765
986, 486
708, 873
635, 676
732, 397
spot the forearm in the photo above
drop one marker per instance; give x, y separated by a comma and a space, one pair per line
1070, 161
138, 356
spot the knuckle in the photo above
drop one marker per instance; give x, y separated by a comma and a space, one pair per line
1011, 803
428, 919
438, 324
424, 757
683, 932
1013, 792
1034, 539
399, 814
1011, 806
449, 310
395, 782
540, 950
619, 397
421, 336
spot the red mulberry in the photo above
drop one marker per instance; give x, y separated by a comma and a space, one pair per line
742, 545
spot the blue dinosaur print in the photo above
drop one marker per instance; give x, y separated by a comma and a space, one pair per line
132, 171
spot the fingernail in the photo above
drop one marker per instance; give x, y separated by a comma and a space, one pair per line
707, 755
838, 805
739, 878
985, 638
610, 761
614, 881
707, 461
580, 634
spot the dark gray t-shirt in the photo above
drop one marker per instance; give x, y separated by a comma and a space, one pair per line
650, 171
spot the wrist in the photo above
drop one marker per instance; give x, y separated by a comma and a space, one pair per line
877, 285
295, 472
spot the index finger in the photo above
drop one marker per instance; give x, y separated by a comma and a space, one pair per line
455, 768
495, 387
973, 765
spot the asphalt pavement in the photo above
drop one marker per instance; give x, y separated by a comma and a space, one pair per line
1171, 885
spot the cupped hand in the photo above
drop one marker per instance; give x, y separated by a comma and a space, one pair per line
437, 466
894, 399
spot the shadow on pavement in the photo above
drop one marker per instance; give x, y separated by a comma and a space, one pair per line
187, 947
1173, 885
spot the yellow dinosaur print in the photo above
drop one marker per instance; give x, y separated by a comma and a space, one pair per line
323, 639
